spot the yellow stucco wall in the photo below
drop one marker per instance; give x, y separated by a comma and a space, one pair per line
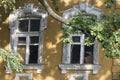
52, 52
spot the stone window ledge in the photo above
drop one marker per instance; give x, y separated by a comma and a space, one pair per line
65, 67
37, 67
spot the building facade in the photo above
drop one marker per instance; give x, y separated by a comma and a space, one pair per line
33, 33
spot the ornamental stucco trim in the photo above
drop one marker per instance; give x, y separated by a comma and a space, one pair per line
25, 11
86, 67
28, 10
83, 6
79, 75
18, 75
68, 14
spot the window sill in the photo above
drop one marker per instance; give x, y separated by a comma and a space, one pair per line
37, 67
65, 67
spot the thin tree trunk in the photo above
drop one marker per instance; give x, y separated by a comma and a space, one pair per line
51, 12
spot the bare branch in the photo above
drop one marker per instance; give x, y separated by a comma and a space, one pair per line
51, 12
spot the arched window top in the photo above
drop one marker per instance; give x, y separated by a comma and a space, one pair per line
27, 25
85, 7
76, 55
28, 10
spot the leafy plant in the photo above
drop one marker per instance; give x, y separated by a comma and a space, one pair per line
12, 60
7, 4
107, 32
109, 3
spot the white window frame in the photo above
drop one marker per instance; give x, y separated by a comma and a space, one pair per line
81, 43
68, 14
28, 11
18, 75
27, 35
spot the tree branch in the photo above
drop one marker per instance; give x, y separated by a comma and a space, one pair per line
51, 12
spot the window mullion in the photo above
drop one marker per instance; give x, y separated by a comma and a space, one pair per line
82, 49
28, 45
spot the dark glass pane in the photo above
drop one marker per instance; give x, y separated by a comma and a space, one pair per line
22, 50
34, 39
21, 39
34, 25
75, 54
23, 25
76, 38
88, 54
33, 54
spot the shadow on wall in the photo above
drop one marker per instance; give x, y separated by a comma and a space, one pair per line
52, 55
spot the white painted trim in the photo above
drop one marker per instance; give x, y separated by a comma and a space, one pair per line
28, 11
86, 67
18, 75
79, 75
68, 14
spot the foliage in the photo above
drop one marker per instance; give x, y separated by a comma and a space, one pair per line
107, 32
12, 60
109, 3
55, 4
7, 4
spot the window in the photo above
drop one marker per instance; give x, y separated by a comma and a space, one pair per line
28, 40
77, 56
77, 48
80, 76
23, 76
27, 33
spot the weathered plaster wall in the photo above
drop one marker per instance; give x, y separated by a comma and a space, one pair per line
52, 53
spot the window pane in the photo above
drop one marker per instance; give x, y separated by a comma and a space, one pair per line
33, 54
88, 54
23, 25
22, 50
34, 25
76, 38
21, 39
75, 54
34, 39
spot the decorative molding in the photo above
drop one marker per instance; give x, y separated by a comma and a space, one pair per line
38, 67
86, 67
85, 7
84, 76
68, 14
18, 75
28, 10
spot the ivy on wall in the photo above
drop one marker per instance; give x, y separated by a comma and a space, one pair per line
12, 60
109, 3
107, 32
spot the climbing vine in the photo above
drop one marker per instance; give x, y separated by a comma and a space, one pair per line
109, 3
107, 31
11, 59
